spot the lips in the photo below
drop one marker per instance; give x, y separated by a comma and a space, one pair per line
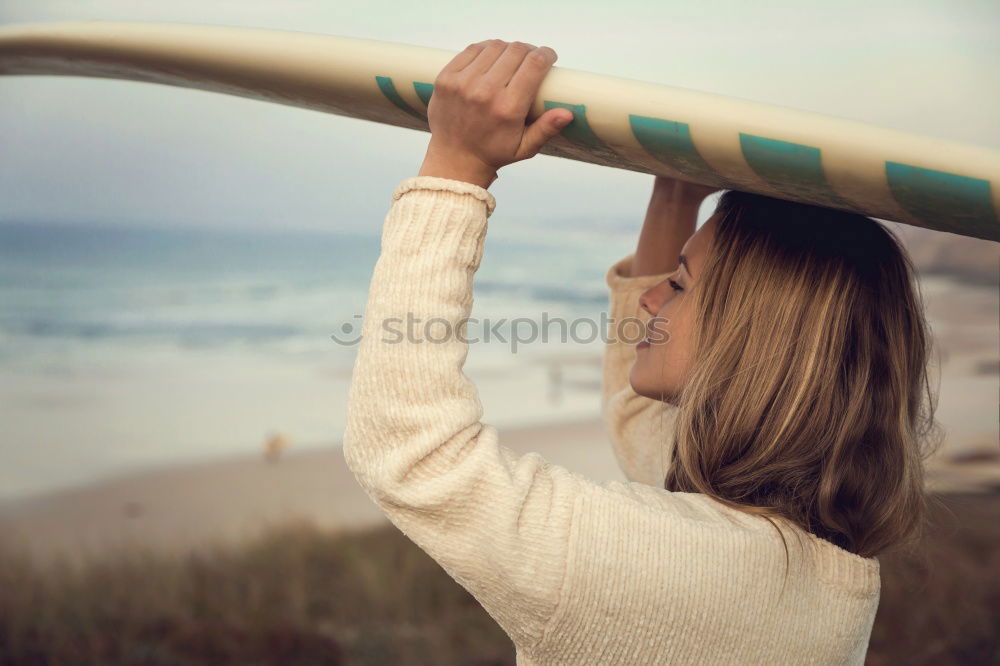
642, 344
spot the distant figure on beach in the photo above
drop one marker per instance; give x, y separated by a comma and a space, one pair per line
273, 447
555, 383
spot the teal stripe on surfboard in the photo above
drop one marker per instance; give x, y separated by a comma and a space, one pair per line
580, 132
424, 91
961, 202
670, 142
389, 90
794, 169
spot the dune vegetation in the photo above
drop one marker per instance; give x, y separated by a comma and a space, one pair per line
302, 595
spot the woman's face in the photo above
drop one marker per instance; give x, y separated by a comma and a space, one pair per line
661, 366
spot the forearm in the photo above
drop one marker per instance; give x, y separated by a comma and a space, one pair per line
670, 220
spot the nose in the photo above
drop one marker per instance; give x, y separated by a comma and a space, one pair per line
652, 299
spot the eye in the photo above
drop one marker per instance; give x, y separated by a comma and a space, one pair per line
675, 286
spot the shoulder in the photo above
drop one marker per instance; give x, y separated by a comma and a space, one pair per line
684, 510
694, 530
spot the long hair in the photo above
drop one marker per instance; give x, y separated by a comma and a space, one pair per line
808, 398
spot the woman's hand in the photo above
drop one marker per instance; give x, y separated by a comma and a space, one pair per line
479, 107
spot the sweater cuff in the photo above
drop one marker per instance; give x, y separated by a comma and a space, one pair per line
449, 184
618, 279
438, 217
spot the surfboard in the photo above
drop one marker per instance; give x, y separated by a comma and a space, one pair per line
622, 123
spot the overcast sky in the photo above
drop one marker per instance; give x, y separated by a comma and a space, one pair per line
129, 153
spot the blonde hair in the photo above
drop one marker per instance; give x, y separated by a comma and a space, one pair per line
808, 398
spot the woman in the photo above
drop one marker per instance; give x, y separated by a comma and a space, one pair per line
780, 396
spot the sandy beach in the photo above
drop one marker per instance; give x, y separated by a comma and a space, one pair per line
184, 506
188, 507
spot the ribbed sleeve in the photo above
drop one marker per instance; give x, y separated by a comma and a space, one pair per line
640, 428
497, 523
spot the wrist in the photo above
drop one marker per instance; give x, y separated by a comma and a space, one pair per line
678, 197
677, 208
679, 192
457, 167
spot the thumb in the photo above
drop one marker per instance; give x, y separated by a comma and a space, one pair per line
544, 128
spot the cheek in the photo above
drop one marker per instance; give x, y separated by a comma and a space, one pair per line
671, 327
660, 369
668, 322
677, 317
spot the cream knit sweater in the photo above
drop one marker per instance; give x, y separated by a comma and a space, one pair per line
575, 572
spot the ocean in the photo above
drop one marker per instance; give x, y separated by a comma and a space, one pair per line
127, 348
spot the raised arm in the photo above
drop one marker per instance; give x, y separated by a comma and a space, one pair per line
497, 523
640, 428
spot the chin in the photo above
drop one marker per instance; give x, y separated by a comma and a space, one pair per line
662, 393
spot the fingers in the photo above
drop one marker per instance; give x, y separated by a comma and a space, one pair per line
523, 86
494, 68
500, 73
489, 51
464, 58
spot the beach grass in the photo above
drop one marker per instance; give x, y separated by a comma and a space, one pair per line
307, 595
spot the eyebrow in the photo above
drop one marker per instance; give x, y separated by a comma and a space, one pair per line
684, 263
